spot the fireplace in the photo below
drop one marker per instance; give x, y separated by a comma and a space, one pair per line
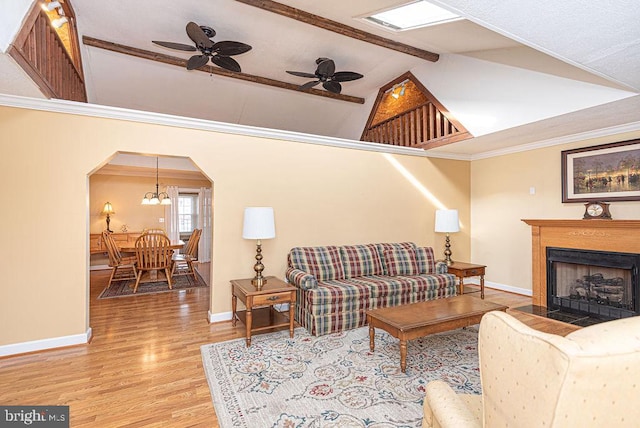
600, 284
584, 236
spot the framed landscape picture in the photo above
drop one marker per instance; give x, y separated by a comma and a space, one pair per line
609, 172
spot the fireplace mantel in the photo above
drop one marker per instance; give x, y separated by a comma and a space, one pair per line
603, 235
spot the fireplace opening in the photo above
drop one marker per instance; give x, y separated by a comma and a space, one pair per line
599, 285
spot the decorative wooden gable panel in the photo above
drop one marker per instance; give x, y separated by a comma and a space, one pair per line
47, 49
407, 114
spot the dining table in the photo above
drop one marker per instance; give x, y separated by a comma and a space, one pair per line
129, 247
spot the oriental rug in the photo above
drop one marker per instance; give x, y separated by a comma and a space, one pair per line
334, 380
124, 288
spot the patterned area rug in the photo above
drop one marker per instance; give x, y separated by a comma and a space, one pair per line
124, 288
334, 380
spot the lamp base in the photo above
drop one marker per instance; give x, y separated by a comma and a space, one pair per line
447, 251
259, 282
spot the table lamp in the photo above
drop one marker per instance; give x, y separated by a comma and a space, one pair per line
108, 210
447, 222
258, 224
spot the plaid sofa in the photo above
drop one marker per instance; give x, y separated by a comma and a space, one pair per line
336, 285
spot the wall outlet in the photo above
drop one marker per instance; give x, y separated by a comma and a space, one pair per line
161, 220
532, 190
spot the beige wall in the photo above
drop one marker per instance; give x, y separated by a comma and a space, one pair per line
321, 195
125, 194
500, 198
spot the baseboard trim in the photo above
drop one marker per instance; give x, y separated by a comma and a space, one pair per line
44, 344
501, 287
223, 316
99, 267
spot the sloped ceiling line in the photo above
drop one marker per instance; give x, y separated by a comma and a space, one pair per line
336, 27
168, 59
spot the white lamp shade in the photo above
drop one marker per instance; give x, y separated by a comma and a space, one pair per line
447, 221
258, 223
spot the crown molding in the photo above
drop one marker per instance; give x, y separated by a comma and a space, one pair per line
94, 110
566, 139
108, 112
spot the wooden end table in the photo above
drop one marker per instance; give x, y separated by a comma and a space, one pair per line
408, 322
260, 314
465, 270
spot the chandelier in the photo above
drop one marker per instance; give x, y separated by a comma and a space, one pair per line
156, 198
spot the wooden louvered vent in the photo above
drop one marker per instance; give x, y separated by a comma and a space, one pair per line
407, 114
47, 50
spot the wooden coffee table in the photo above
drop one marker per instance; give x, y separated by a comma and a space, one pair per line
408, 322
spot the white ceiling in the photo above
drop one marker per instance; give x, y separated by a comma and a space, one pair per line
514, 73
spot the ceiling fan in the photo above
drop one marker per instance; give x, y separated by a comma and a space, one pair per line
327, 75
219, 52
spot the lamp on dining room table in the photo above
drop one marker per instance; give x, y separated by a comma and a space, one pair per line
258, 224
108, 210
447, 222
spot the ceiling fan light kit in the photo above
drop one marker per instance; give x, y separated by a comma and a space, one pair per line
220, 53
326, 74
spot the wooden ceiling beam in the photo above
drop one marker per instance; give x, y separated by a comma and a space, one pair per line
172, 60
336, 27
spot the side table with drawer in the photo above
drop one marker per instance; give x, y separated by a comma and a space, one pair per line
260, 313
465, 270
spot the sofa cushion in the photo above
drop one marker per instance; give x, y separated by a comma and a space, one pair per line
426, 260
361, 260
339, 296
387, 290
324, 263
390, 246
401, 261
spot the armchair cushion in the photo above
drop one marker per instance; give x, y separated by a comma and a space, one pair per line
533, 379
444, 408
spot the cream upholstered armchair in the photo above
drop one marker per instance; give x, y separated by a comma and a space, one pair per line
590, 378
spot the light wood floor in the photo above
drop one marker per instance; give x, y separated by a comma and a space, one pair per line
143, 366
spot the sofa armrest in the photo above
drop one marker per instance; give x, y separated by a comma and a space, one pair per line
301, 279
444, 408
441, 267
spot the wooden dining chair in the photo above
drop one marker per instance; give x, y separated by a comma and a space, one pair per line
182, 264
153, 253
153, 230
122, 267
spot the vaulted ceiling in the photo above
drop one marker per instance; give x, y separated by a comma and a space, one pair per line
513, 74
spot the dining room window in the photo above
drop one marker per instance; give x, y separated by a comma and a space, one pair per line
187, 212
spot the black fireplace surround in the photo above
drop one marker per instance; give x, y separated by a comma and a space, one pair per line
600, 285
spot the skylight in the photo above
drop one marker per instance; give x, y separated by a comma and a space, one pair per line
412, 15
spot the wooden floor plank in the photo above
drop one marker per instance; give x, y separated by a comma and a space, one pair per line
143, 365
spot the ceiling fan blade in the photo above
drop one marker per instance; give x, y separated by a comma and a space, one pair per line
196, 34
332, 86
326, 68
309, 85
228, 48
302, 74
197, 61
172, 45
226, 63
346, 76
